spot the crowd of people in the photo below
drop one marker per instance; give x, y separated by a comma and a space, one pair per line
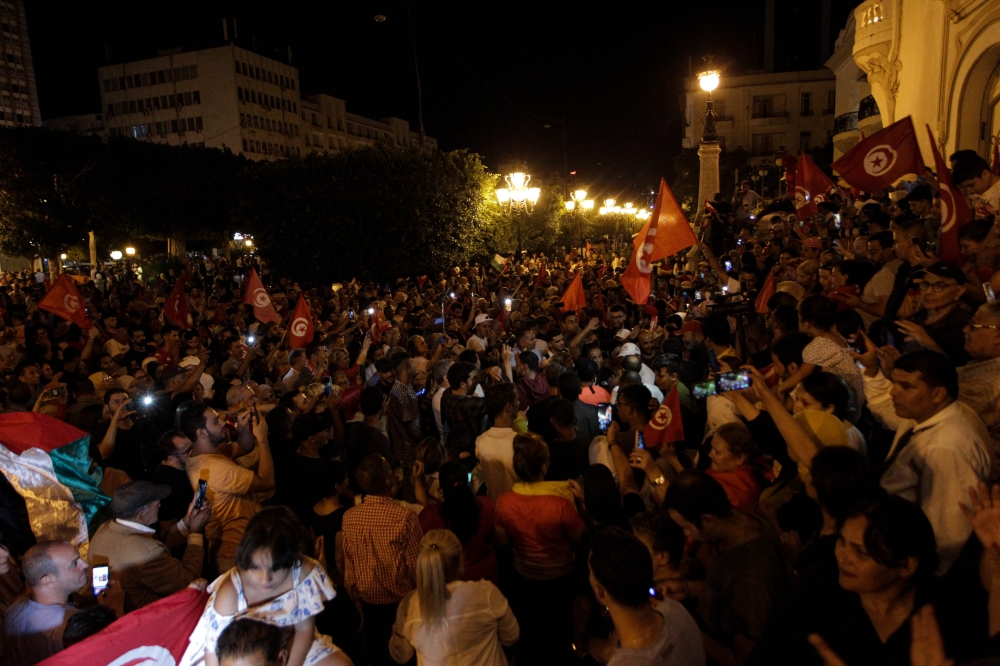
783, 457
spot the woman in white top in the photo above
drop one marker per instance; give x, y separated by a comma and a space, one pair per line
450, 622
827, 350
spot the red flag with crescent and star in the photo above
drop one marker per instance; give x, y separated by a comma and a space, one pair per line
811, 186
64, 300
176, 307
301, 330
666, 425
258, 297
955, 211
882, 158
666, 232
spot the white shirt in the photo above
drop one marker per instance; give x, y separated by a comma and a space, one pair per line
648, 378
946, 455
436, 408
477, 621
653, 392
495, 451
476, 343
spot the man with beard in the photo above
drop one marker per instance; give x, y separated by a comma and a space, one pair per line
229, 485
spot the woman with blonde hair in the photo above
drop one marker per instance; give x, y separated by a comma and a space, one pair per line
448, 621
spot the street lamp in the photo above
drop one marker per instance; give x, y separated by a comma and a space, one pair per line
578, 199
248, 243
130, 251
63, 256
116, 255
709, 81
763, 172
518, 199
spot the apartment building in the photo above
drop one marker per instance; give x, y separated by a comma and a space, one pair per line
18, 93
228, 97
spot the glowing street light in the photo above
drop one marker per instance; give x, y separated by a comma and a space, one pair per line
517, 198
116, 255
709, 81
63, 256
130, 251
248, 242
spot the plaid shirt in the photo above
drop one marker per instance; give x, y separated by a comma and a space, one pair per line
381, 544
403, 408
463, 413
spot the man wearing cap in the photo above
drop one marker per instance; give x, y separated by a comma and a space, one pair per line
484, 336
939, 325
631, 349
145, 567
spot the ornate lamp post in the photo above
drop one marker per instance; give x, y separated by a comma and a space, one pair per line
709, 149
518, 199
578, 200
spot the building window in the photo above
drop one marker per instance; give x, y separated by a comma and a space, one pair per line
763, 106
805, 140
807, 104
239, 94
163, 102
173, 126
160, 77
190, 124
237, 66
244, 145
187, 99
156, 103
765, 144
831, 101
196, 96
256, 122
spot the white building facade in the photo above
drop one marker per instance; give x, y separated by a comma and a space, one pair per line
937, 61
228, 97
761, 113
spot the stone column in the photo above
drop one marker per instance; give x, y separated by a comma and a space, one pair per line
708, 180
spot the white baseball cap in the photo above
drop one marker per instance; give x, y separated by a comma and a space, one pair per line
629, 349
481, 319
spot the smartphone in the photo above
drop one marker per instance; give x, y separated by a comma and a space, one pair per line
100, 574
55, 392
729, 265
739, 241
604, 416
442, 339
713, 361
350, 314
916, 240
421, 392
988, 289
640, 441
836, 220
327, 386
199, 499
734, 381
507, 303
858, 343
703, 389
469, 478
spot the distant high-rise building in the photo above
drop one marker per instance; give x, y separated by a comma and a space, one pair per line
17, 74
228, 97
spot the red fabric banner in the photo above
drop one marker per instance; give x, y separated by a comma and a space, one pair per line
955, 211
883, 158
176, 307
258, 297
765, 294
574, 298
301, 330
811, 186
64, 300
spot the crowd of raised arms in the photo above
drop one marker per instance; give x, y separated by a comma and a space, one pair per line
460, 468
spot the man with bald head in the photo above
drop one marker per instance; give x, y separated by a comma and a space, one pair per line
33, 627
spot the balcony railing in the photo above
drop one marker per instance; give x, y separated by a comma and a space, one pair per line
845, 122
770, 114
867, 108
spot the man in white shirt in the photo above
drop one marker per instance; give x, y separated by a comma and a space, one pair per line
495, 447
941, 445
974, 178
440, 375
481, 340
631, 350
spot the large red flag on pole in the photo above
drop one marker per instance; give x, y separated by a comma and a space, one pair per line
257, 296
176, 307
574, 298
955, 211
301, 328
883, 158
64, 300
765, 294
155, 634
666, 232
810, 187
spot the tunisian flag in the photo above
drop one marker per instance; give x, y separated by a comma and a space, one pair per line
176, 307
256, 296
955, 211
301, 329
666, 425
810, 187
883, 158
64, 300
540, 280
155, 634
574, 298
765, 294
666, 232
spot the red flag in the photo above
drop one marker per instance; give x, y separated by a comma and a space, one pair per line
256, 296
766, 292
666, 425
540, 280
64, 300
155, 634
666, 232
883, 158
379, 325
587, 253
574, 298
301, 329
601, 271
955, 211
176, 307
811, 186
791, 166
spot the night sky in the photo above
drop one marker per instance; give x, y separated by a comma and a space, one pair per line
506, 81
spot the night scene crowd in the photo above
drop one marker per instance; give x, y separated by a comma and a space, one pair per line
463, 468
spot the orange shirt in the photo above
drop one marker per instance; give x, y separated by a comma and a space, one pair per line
594, 395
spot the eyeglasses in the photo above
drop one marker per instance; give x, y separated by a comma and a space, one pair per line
976, 327
937, 286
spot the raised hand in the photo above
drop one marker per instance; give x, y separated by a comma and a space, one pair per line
983, 512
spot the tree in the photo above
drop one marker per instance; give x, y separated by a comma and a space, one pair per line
46, 198
376, 212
